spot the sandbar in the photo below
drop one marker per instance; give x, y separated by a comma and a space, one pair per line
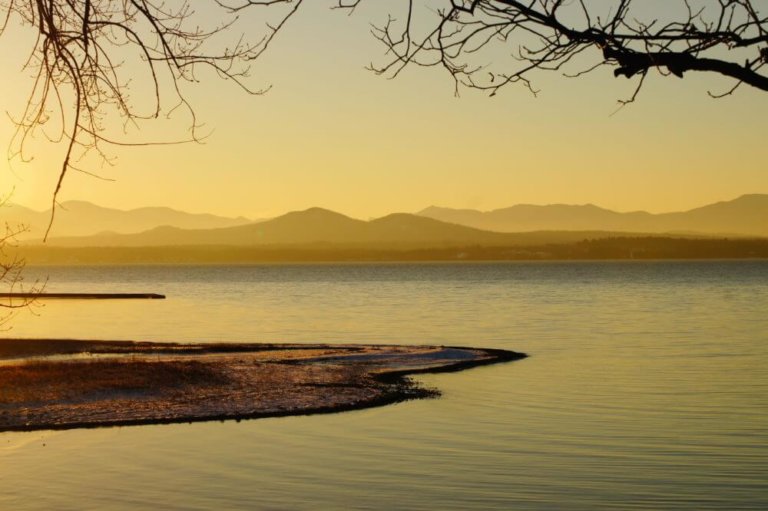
66, 384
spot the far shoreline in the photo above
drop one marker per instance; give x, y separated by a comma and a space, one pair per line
393, 262
629, 248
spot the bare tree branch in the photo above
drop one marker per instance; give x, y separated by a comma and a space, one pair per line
11, 275
87, 53
489, 44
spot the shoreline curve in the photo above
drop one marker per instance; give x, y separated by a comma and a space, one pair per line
74, 384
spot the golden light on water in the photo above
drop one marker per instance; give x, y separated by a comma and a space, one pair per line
646, 385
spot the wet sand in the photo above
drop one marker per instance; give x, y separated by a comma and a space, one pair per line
64, 384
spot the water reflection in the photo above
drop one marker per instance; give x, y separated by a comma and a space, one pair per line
647, 388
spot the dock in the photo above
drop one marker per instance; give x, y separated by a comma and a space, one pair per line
84, 296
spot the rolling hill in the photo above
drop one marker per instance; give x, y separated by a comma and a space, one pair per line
746, 216
320, 226
80, 218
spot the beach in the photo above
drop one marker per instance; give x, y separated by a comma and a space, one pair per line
66, 384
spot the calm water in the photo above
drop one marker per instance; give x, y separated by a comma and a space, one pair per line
647, 388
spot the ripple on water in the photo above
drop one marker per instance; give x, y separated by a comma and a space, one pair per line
647, 388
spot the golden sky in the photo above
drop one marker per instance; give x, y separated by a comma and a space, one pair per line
332, 134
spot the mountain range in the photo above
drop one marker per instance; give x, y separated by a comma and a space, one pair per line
80, 218
522, 225
317, 226
746, 215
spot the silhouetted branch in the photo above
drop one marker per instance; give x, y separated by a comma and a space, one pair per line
88, 52
474, 39
11, 279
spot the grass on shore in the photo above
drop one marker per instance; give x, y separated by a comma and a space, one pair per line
36, 382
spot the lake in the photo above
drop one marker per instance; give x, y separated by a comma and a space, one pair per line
646, 388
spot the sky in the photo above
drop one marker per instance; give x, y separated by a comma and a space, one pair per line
330, 133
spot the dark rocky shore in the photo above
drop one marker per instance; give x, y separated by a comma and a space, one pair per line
64, 384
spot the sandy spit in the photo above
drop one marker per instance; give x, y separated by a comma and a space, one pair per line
65, 384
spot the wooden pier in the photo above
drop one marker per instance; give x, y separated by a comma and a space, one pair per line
84, 296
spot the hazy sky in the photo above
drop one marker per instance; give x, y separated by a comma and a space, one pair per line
331, 134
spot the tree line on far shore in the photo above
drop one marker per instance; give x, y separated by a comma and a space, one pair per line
614, 248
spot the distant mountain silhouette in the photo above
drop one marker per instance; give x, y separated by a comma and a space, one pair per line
320, 226
80, 218
746, 215
522, 225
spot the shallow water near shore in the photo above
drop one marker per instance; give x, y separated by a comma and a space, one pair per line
647, 388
